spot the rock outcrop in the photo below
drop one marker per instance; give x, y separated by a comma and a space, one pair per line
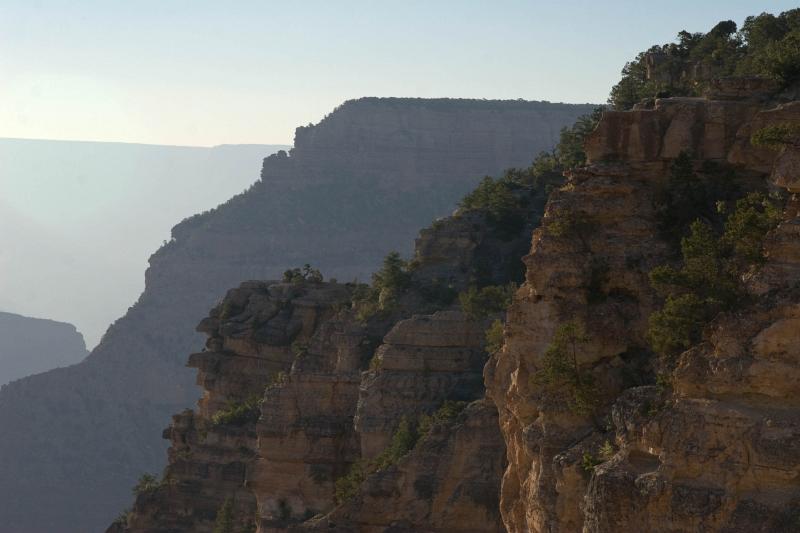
449, 483
713, 448
357, 185
720, 452
33, 345
248, 350
351, 383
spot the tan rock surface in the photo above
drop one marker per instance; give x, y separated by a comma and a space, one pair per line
249, 347
717, 454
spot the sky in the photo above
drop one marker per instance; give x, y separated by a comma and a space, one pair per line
204, 73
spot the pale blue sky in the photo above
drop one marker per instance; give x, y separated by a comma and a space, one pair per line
205, 73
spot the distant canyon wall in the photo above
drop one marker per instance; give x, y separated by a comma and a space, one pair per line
358, 185
32, 345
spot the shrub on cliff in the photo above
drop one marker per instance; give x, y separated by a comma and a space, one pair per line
481, 303
223, 522
298, 275
678, 324
497, 198
403, 440
682, 199
695, 292
772, 46
766, 46
146, 483
689, 194
388, 284
777, 136
707, 280
393, 275
560, 372
504, 199
445, 414
573, 225
238, 413
755, 215
122, 519
569, 150
494, 337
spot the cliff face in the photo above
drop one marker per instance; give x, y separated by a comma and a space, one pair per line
32, 345
356, 186
713, 451
721, 454
351, 386
248, 351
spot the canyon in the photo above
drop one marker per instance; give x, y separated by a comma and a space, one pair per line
316, 417
100, 208
355, 186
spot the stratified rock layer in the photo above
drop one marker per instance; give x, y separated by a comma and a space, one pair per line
248, 351
449, 483
720, 453
349, 383
717, 453
357, 185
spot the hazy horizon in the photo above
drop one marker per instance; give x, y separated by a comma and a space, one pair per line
87, 216
204, 74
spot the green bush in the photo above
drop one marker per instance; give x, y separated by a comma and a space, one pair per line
570, 224
569, 150
493, 196
447, 413
687, 196
497, 198
223, 522
297, 275
403, 441
606, 451
375, 363
766, 46
146, 483
707, 281
299, 348
777, 136
279, 378
238, 413
754, 217
505, 199
589, 462
494, 337
562, 375
393, 275
388, 284
348, 485
695, 292
122, 518
480, 303
678, 324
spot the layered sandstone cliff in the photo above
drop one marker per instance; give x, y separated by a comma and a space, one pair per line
356, 185
348, 385
712, 446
